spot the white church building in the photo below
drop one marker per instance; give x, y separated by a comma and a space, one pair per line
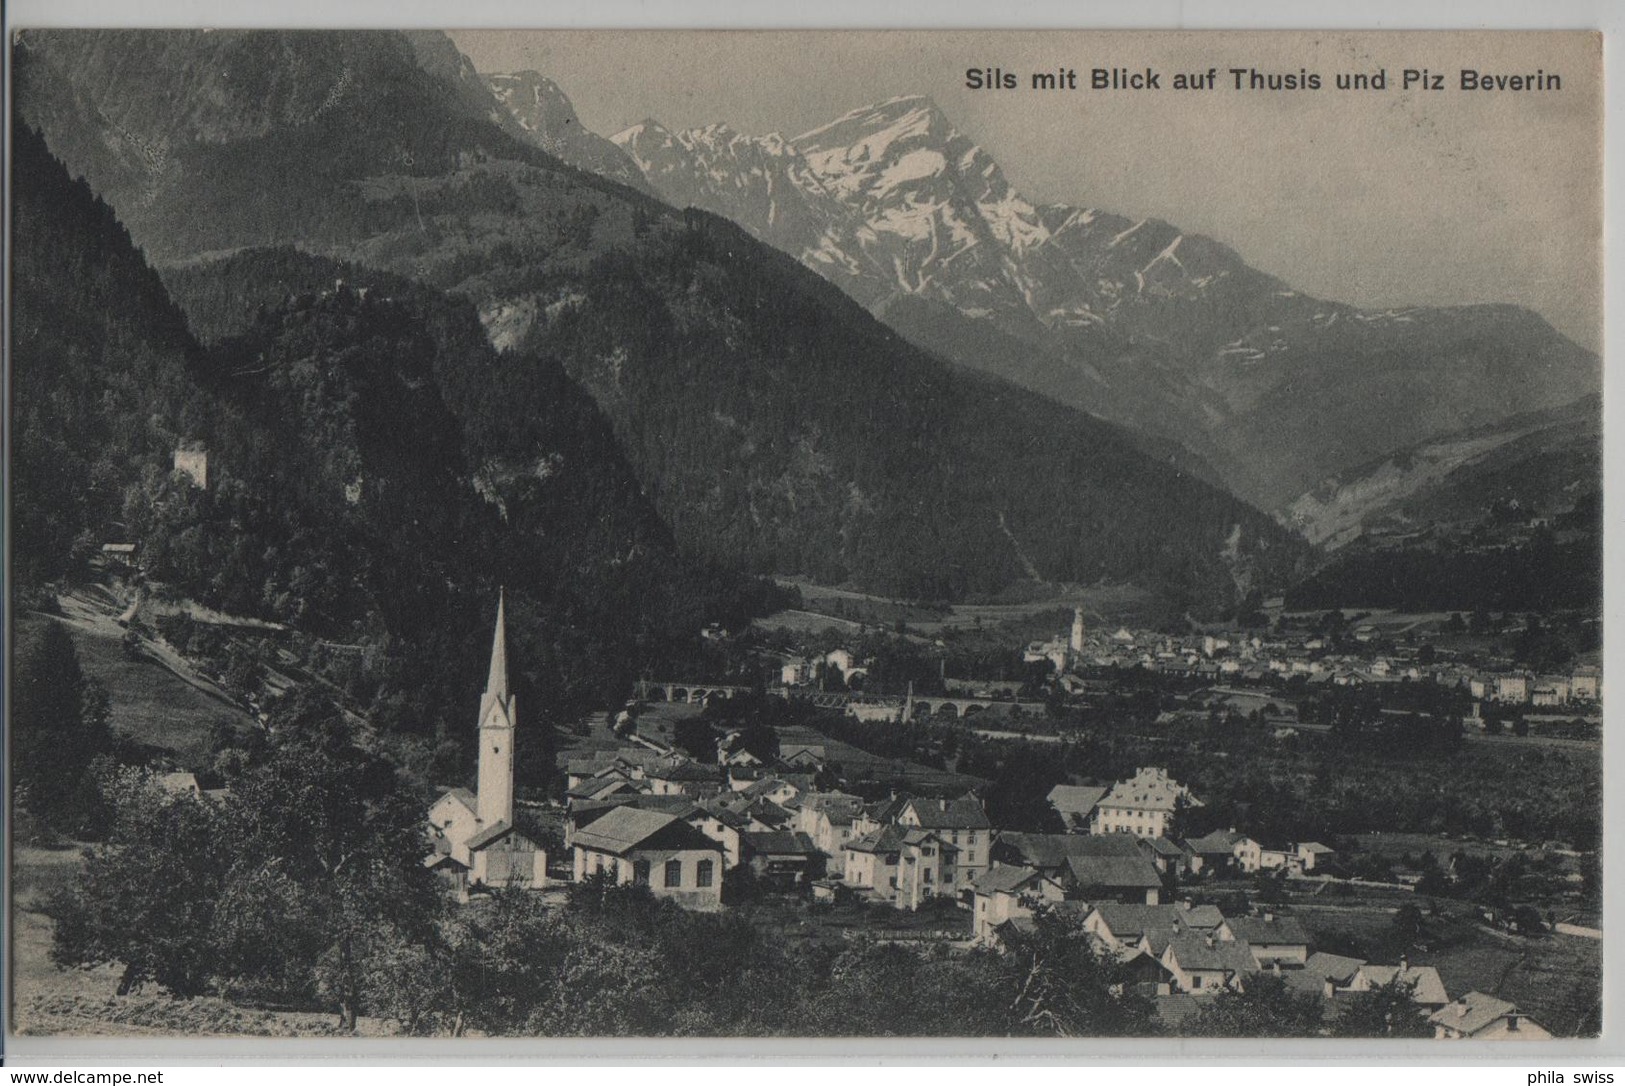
474, 841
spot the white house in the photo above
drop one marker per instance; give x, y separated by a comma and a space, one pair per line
961, 823
1144, 804
1479, 1017
653, 849
1002, 894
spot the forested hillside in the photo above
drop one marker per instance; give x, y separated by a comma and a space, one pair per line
775, 425
374, 477
856, 457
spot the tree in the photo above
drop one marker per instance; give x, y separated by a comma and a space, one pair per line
58, 727
147, 898
295, 886
1388, 1010
1266, 1007
1055, 981
696, 737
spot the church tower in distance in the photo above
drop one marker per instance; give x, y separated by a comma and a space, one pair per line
1077, 631
497, 721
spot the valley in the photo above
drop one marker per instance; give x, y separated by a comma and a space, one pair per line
478, 576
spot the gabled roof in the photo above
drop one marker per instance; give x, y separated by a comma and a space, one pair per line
1333, 967
1472, 1012
1114, 872
1212, 844
493, 833
886, 841
684, 771
778, 843
1162, 846
1050, 850
1196, 952
1076, 799
1148, 790
1129, 922
761, 788
1429, 986
627, 828
598, 787
915, 836
768, 813
1004, 880
436, 860
463, 796
964, 813
1264, 931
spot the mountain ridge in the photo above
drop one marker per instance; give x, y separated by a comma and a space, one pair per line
807, 437
1133, 320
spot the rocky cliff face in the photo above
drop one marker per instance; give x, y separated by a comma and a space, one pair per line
1135, 320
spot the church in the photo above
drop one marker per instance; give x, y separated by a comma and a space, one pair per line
474, 841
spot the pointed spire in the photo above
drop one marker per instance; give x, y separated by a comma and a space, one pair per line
497, 683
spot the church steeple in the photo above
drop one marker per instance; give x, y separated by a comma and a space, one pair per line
497, 721
496, 685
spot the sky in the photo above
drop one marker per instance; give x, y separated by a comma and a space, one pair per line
1373, 197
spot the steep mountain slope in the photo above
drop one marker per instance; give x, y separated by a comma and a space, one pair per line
543, 113
1542, 462
374, 473
1136, 321
775, 425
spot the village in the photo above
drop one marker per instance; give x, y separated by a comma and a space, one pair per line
767, 820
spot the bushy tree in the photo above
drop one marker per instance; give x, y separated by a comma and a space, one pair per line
1265, 1007
1388, 1010
58, 728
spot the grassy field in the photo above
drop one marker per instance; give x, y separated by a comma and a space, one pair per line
1554, 978
149, 703
845, 610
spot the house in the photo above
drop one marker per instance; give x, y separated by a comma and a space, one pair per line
1206, 965
1214, 851
1481, 1017
499, 855
1144, 805
1001, 894
1323, 974
178, 784
1122, 926
194, 465
650, 848
1308, 855
584, 813
827, 818
871, 860
1427, 988
960, 823
1584, 684
1166, 854
682, 777
1076, 803
1132, 879
1514, 688
726, 826
472, 836
1273, 938
927, 867
1276, 857
782, 858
